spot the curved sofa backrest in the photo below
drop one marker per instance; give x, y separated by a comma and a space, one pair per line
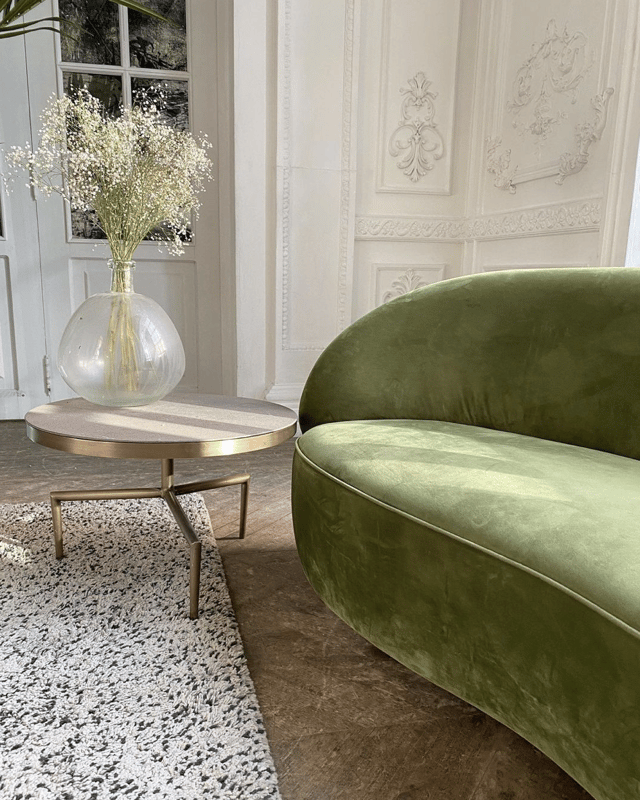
552, 353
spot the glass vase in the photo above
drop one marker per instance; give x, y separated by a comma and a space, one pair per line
121, 348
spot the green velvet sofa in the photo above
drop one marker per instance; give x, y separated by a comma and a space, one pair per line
466, 495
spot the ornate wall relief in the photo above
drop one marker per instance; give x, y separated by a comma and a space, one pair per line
394, 280
586, 134
499, 164
417, 135
407, 282
557, 66
548, 99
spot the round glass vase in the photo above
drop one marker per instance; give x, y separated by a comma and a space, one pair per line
121, 348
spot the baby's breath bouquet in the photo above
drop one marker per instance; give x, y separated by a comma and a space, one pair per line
139, 178
139, 175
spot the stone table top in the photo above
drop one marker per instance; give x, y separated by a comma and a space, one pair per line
180, 426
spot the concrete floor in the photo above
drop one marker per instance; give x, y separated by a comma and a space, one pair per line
345, 722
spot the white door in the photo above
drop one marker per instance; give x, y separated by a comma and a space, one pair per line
114, 53
22, 338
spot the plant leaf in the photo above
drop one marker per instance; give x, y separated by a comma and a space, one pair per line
22, 32
142, 9
21, 7
23, 25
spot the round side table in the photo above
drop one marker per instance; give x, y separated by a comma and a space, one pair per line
180, 426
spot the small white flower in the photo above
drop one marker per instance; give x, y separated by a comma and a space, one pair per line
136, 172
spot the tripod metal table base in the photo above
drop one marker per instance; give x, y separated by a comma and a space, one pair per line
169, 492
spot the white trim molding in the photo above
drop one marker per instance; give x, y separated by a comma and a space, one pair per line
346, 209
575, 217
348, 156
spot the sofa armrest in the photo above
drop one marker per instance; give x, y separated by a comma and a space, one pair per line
553, 353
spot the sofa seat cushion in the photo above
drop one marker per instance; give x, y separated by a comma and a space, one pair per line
567, 514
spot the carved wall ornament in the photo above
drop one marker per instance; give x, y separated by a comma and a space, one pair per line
556, 66
407, 282
499, 164
547, 95
586, 134
417, 133
578, 216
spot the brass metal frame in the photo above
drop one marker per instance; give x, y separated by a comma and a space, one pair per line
169, 492
161, 450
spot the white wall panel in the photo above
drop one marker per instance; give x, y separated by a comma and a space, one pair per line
316, 83
310, 285
525, 112
318, 51
558, 250
548, 96
387, 268
417, 86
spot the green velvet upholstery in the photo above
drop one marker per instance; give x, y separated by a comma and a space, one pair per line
473, 509
550, 353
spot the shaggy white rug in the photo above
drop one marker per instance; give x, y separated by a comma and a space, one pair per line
107, 688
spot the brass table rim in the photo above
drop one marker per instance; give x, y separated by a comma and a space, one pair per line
158, 450
60, 426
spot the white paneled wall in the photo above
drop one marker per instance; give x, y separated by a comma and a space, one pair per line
418, 140
316, 181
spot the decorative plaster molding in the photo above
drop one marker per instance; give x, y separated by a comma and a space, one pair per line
409, 228
544, 87
417, 133
586, 134
558, 64
500, 165
506, 177
547, 220
407, 282
579, 216
286, 171
392, 280
347, 188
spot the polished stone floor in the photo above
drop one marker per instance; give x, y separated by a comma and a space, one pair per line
345, 722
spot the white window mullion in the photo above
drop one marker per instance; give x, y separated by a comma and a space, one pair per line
124, 56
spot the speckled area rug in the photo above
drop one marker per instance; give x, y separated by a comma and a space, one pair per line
107, 688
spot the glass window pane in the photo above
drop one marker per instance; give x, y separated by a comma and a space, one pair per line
89, 31
84, 225
172, 98
154, 44
107, 88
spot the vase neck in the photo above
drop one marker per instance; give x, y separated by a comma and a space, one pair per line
121, 275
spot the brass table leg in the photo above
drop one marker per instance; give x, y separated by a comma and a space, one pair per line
168, 491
